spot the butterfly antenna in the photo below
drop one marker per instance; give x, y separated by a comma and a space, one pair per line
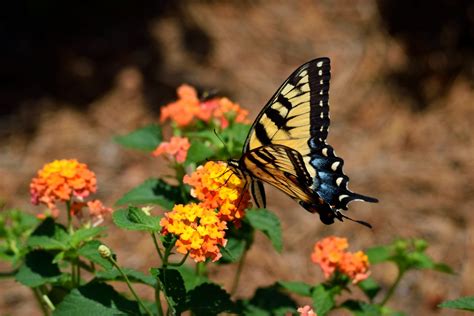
355, 220
223, 143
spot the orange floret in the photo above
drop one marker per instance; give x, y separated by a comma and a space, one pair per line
61, 180
177, 148
188, 107
331, 255
199, 230
217, 187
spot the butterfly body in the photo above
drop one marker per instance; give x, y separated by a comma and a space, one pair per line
286, 147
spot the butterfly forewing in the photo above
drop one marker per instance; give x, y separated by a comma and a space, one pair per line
298, 112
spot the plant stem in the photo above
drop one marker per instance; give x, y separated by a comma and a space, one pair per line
159, 308
69, 218
235, 283
48, 302
156, 246
130, 286
37, 293
178, 264
391, 290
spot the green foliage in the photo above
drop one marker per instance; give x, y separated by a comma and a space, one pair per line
172, 284
323, 300
133, 218
96, 298
198, 152
268, 301
299, 288
152, 191
209, 299
464, 303
38, 269
190, 278
146, 138
268, 223
133, 275
369, 287
407, 254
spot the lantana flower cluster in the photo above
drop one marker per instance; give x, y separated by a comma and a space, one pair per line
66, 181
217, 187
331, 255
177, 149
189, 108
200, 228
200, 231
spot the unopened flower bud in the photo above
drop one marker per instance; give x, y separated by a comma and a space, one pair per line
104, 251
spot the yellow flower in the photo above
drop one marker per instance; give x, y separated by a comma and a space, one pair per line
217, 187
198, 229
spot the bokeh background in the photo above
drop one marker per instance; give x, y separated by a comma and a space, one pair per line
75, 74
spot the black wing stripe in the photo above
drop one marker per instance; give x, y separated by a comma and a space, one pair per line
262, 134
284, 101
276, 118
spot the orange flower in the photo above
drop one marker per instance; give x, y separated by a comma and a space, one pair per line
355, 266
217, 187
199, 230
177, 147
331, 255
188, 107
306, 311
61, 180
183, 110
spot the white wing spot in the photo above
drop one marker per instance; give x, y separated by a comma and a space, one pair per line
320, 82
321, 129
339, 181
343, 196
320, 72
320, 64
335, 165
322, 115
325, 152
321, 103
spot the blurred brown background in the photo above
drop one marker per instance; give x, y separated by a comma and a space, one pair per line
75, 74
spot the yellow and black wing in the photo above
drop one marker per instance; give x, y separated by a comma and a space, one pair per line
286, 146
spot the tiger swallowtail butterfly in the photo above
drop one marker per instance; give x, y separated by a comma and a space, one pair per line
286, 147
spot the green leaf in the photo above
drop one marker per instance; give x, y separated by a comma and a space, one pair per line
369, 287
132, 275
378, 254
173, 286
464, 303
38, 269
271, 300
46, 243
191, 280
83, 234
441, 267
323, 301
49, 235
233, 250
210, 299
299, 288
152, 191
268, 223
198, 152
146, 138
359, 308
96, 298
134, 218
90, 251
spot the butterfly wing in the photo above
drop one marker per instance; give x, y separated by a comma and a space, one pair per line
284, 168
297, 117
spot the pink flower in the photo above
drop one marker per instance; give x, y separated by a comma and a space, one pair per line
177, 148
306, 311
